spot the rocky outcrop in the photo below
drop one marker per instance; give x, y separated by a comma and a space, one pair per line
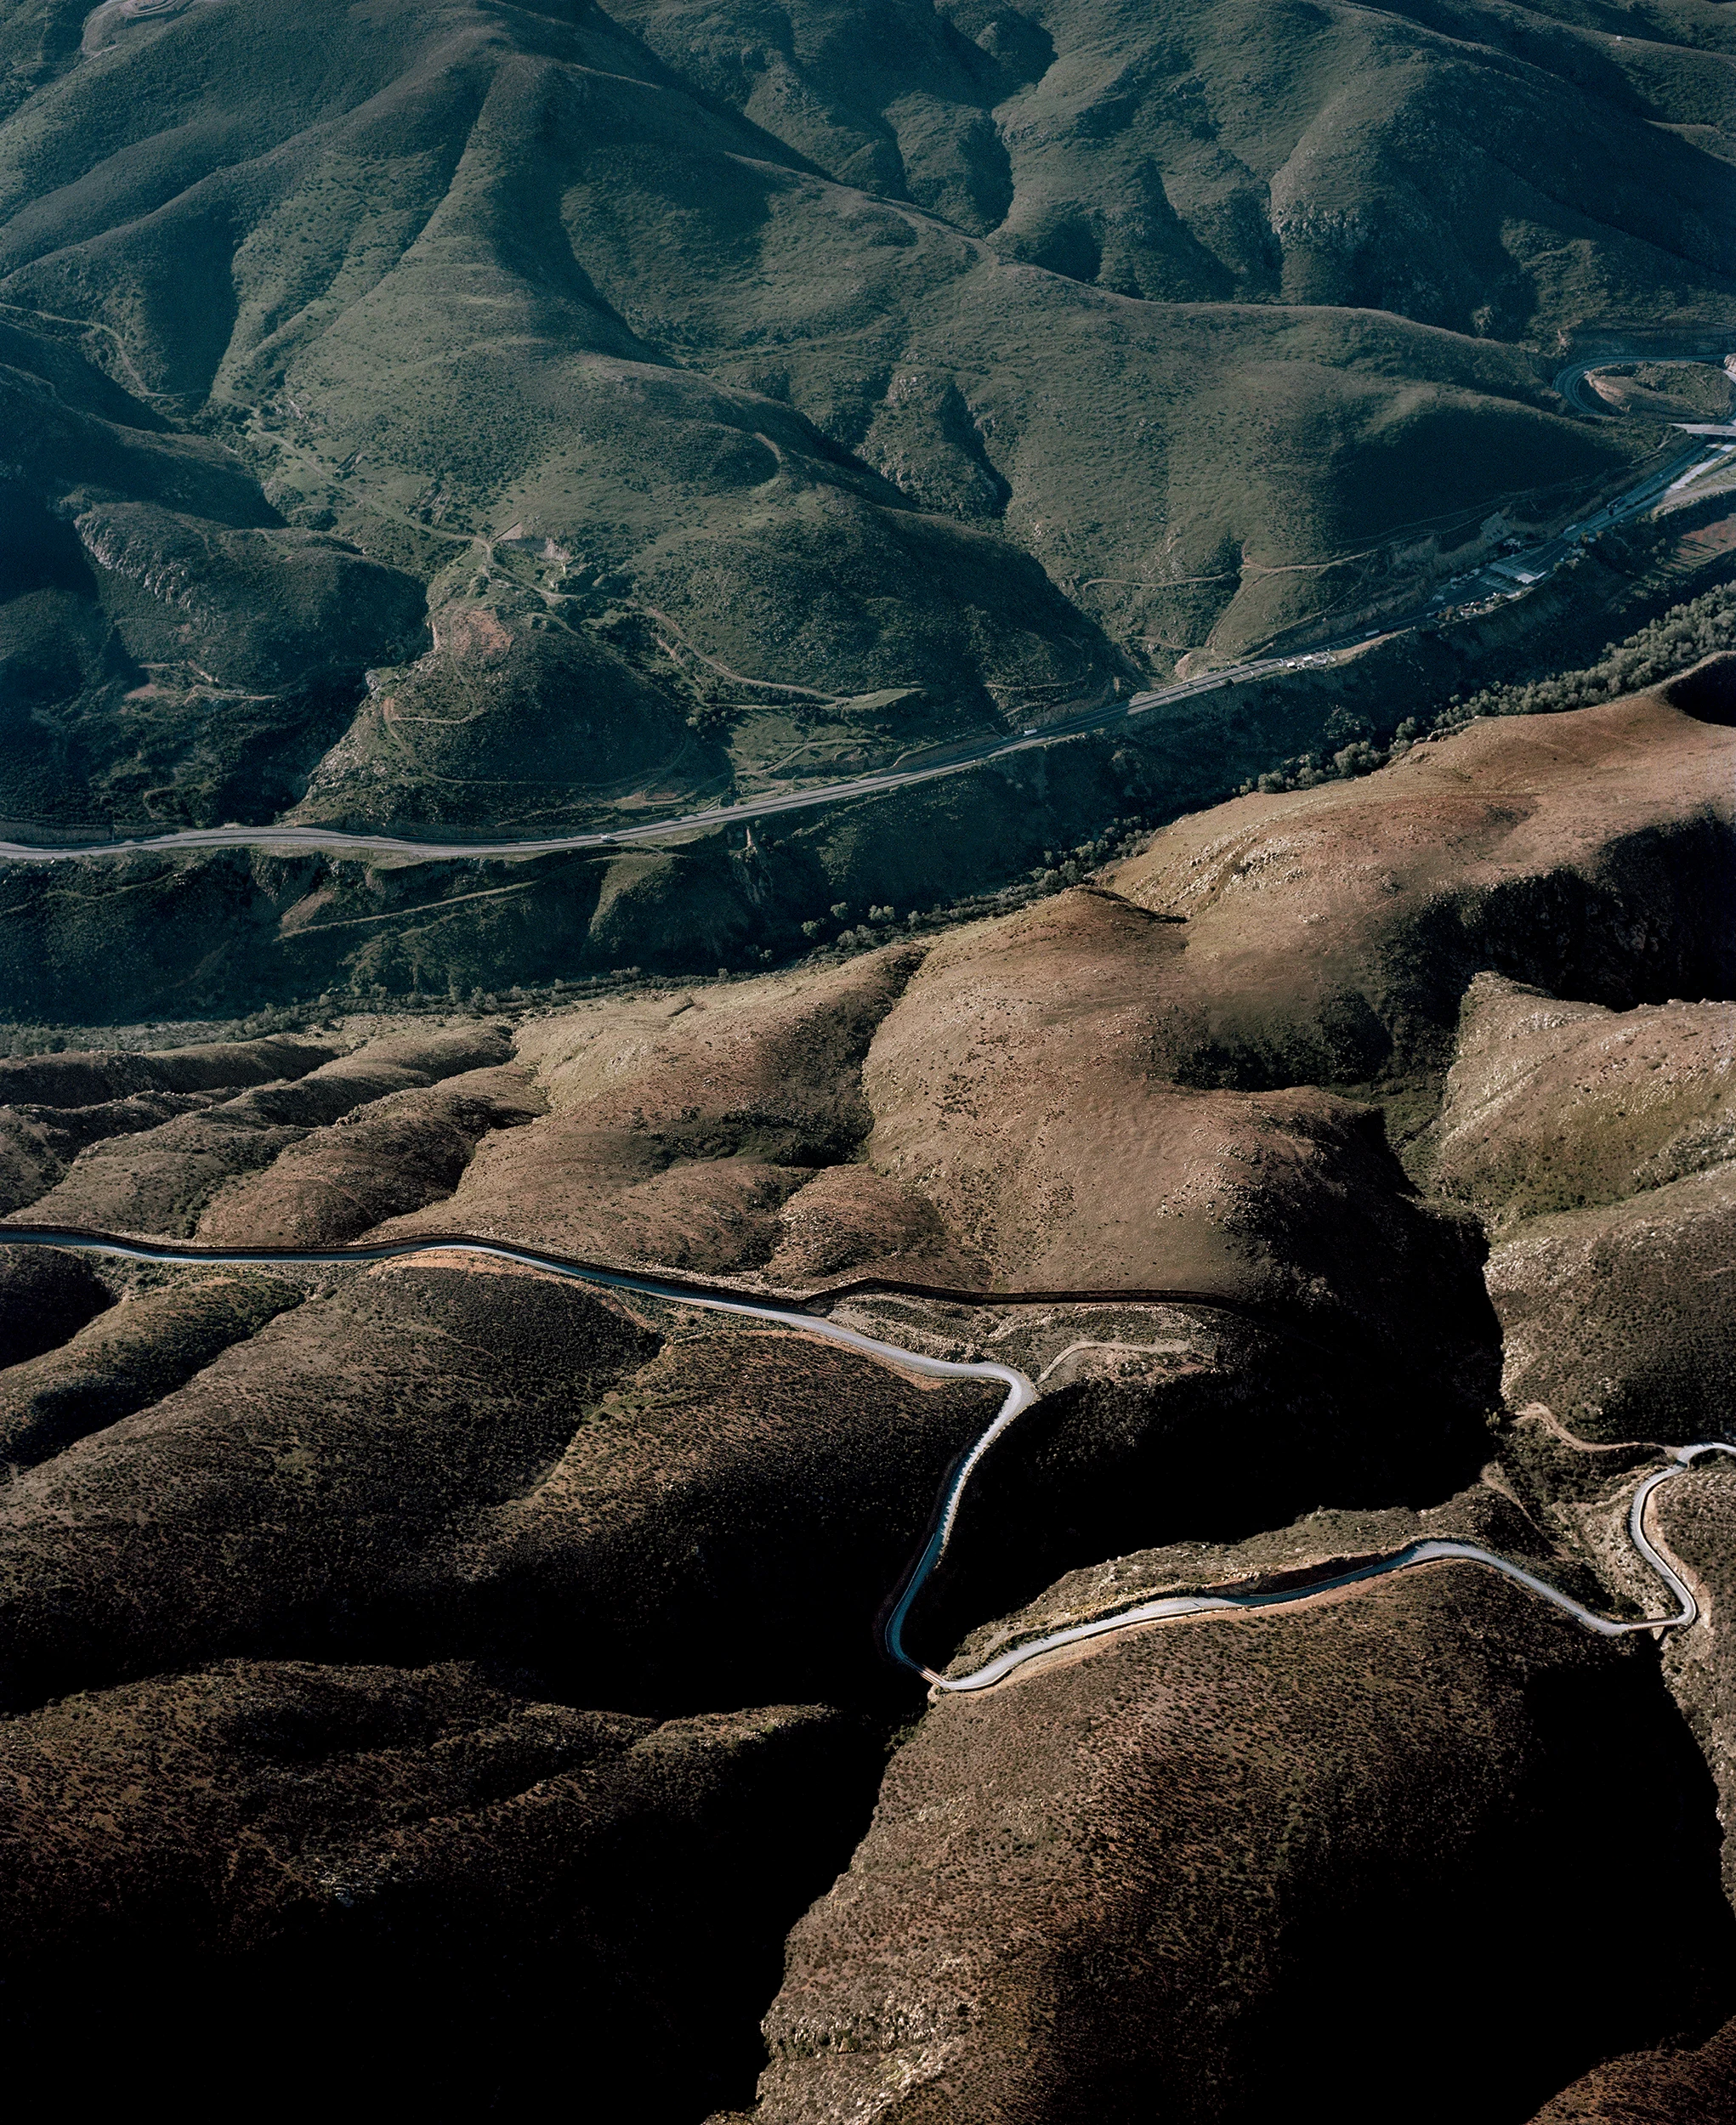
1598, 1145
1555, 1106
1623, 1319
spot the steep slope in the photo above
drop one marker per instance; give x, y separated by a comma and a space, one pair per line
383, 1632
1656, 2087
1553, 1106
1329, 933
1597, 1145
169, 646
440, 1460
1429, 160
1621, 1318
1135, 1884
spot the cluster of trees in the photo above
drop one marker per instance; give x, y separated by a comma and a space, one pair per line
1059, 868
1362, 756
872, 930
1684, 634
1064, 867
23, 1040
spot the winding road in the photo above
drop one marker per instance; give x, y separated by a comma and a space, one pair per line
1430, 1552
1021, 1393
1573, 383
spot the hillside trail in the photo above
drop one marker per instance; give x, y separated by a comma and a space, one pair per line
1068, 719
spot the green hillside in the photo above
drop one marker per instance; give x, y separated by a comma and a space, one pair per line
810, 381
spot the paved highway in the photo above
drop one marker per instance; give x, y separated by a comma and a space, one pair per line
1020, 1393
1503, 578
1573, 383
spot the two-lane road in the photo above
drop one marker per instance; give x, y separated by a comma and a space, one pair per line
1021, 1392
1574, 382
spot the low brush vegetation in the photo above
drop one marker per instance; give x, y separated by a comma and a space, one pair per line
816, 394
1701, 627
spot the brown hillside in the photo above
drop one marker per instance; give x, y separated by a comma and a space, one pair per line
129, 1355
1598, 1145
1150, 1880
276, 1834
1330, 933
680, 1128
436, 1460
1654, 2088
393, 1155
159, 1179
1018, 1086
1554, 1106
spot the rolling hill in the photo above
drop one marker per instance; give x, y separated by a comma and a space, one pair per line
443, 1645
1209, 1220
735, 383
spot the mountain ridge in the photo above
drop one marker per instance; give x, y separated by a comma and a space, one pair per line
572, 317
